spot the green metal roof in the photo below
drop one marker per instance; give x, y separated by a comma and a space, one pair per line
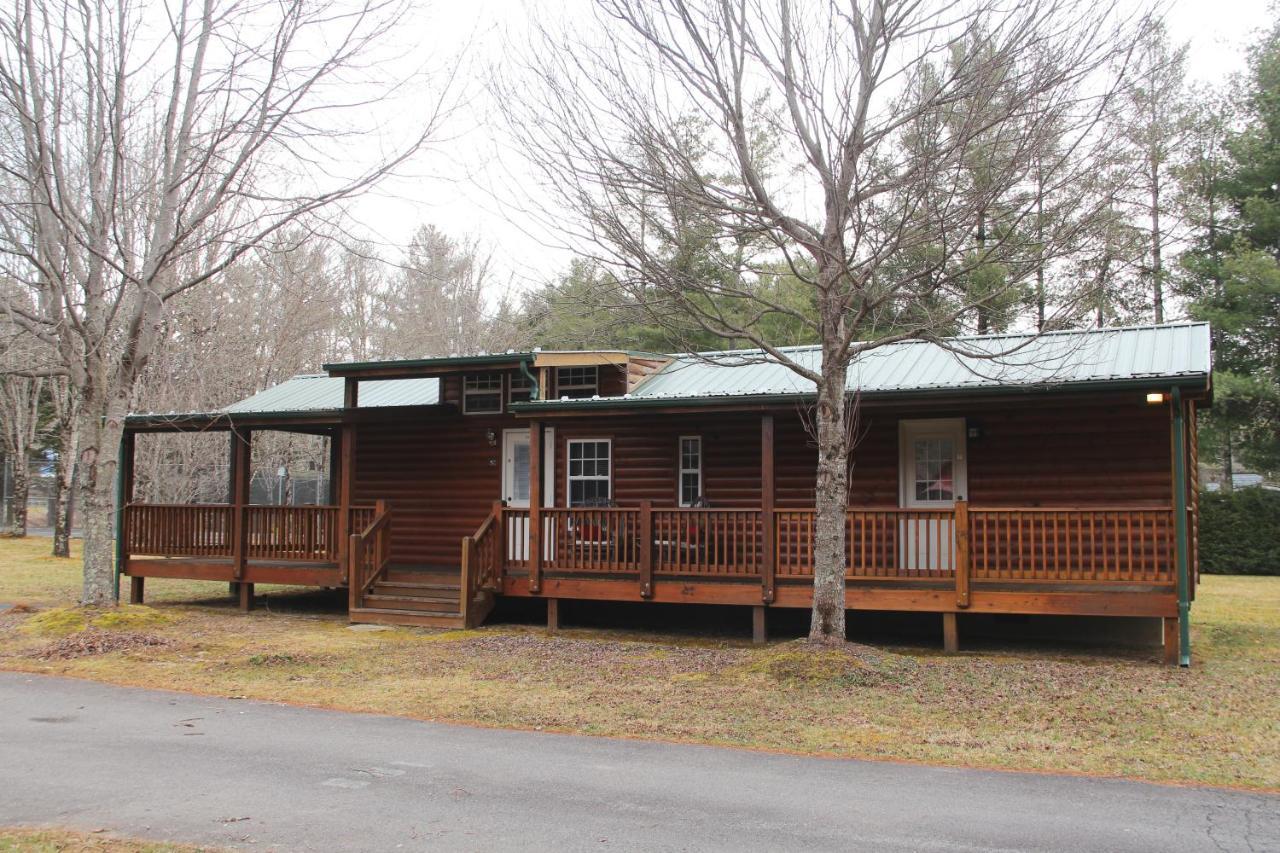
317, 392
342, 367
1177, 353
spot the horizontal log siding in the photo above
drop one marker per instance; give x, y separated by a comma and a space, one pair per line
1113, 452
435, 472
1109, 450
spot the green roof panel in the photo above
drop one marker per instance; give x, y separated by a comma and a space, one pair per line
320, 393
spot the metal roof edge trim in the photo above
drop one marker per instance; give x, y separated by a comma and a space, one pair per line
1190, 380
338, 368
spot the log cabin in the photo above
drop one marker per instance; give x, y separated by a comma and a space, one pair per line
1003, 474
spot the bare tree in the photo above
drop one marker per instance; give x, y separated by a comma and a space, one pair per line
64, 420
146, 147
440, 303
805, 159
1154, 120
21, 395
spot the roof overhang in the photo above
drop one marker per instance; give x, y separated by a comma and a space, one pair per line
317, 421
421, 367
1193, 386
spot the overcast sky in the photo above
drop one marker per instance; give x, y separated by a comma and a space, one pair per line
457, 186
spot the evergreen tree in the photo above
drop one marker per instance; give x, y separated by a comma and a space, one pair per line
1233, 275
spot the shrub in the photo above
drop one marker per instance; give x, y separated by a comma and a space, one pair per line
1240, 532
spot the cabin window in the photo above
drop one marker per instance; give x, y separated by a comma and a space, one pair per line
590, 474
690, 469
519, 389
482, 394
577, 382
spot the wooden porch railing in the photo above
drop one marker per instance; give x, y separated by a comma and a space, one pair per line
368, 555
1103, 544
179, 530
286, 533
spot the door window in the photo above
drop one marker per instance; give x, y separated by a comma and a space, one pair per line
933, 474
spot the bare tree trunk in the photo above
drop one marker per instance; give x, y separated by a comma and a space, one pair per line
831, 502
63, 488
101, 428
21, 490
1228, 466
1157, 259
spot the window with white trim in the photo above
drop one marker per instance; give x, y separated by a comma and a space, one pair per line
690, 480
482, 394
577, 382
589, 471
519, 388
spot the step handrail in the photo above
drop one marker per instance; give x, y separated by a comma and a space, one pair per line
482, 555
369, 555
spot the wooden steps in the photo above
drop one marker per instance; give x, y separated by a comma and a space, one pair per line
430, 597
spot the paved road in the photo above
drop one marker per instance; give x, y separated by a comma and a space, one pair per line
263, 776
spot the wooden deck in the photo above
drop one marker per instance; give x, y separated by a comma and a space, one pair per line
1108, 560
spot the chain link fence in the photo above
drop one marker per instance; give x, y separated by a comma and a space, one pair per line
41, 496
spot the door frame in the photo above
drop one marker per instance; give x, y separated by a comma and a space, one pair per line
909, 429
548, 464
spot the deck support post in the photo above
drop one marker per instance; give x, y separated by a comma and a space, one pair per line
535, 509
769, 565
1181, 537
1170, 640
950, 636
136, 588
553, 614
759, 629
246, 596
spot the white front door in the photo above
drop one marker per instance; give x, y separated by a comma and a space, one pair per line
933, 474
515, 487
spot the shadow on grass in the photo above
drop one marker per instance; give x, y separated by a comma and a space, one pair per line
1112, 638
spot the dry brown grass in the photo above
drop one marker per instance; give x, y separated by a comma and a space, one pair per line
1030, 709
61, 841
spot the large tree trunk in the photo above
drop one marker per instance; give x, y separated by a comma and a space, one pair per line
831, 503
63, 488
21, 490
101, 426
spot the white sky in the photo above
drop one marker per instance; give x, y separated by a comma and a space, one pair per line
455, 186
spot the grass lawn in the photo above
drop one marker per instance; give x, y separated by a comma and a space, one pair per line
1018, 707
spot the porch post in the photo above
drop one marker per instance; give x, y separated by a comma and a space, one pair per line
124, 496
332, 495
535, 507
346, 458
1181, 539
962, 553
769, 565
646, 549
241, 479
